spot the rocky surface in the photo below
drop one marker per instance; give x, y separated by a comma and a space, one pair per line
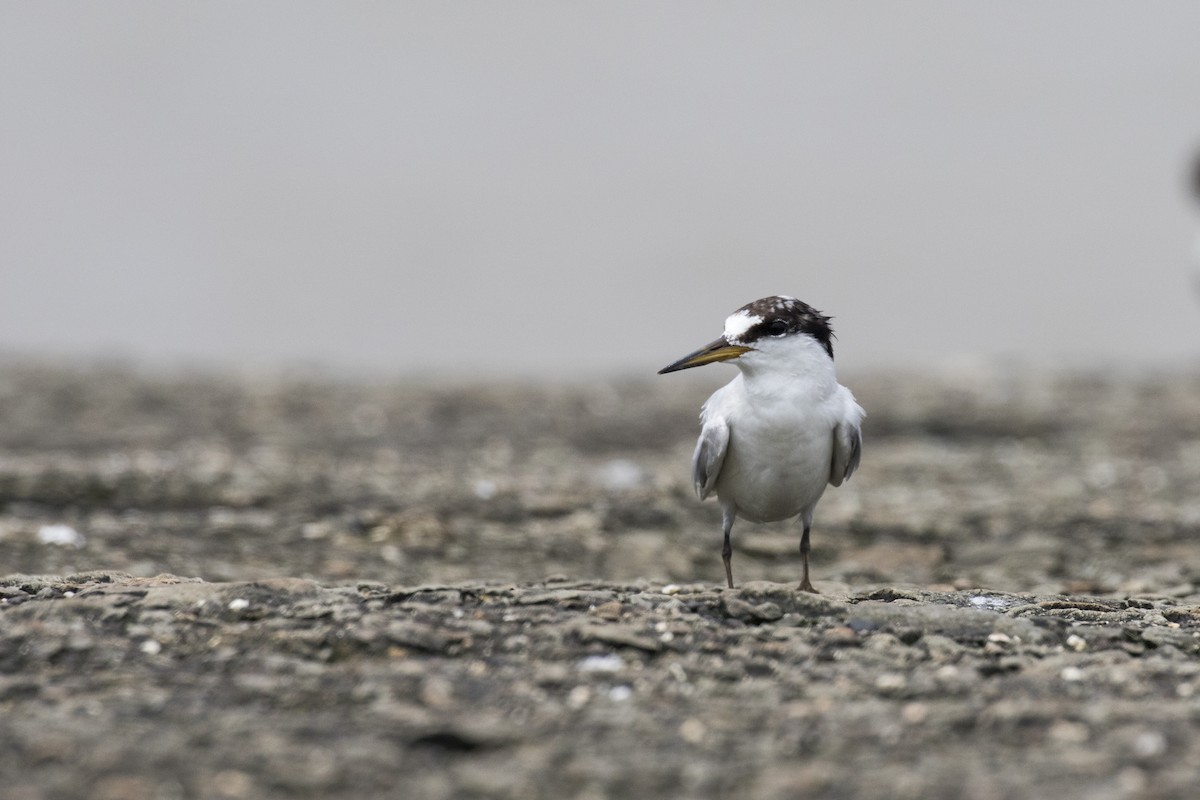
405, 589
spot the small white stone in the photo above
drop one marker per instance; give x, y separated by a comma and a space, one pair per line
949, 672
391, 554
239, 604
620, 694
1071, 674
914, 713
692, 730
1069, 732
986, 601
60, 535
609, 662
671, 588
150, 647
1076, 643
578, 697
1150, 744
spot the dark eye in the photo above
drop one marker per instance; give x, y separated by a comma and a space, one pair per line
777, 328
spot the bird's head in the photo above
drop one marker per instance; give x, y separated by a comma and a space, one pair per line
774, 330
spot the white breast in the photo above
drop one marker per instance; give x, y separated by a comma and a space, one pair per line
780, 451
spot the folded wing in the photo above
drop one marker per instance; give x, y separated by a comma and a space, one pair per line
847, 443
709, 456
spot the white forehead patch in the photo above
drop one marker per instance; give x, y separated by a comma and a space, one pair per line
737, 324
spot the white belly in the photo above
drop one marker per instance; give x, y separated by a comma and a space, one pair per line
776, 471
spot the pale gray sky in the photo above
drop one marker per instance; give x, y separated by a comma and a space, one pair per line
557, 186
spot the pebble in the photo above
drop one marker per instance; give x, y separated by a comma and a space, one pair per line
1069, 732
914, 713
437, 692
840, 636
692, 730
60, 536
1072, 674
578, 697
610, 610
605, 663
619, 635
736, 608
1149, 744
620, 693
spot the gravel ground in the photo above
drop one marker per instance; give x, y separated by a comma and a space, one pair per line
224, 586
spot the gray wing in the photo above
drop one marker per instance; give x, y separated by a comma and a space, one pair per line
709, 456
847, 450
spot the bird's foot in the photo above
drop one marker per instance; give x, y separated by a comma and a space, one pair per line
806, 586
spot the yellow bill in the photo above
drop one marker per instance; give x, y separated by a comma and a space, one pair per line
720, 350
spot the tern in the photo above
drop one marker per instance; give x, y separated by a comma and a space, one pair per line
775, 436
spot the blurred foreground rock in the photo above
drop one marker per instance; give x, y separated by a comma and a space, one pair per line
164, 686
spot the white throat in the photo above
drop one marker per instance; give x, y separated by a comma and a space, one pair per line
795, 365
